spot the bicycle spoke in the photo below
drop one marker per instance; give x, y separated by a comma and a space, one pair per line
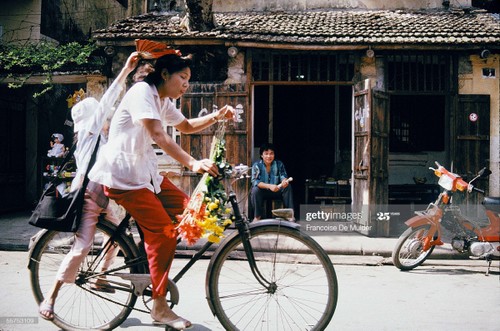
302, 292
98, 299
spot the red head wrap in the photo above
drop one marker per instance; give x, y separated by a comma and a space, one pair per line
153, 49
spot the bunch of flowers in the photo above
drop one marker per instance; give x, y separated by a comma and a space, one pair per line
206, 215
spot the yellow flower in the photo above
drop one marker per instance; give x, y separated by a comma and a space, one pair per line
211, 219
213, 239
213, 205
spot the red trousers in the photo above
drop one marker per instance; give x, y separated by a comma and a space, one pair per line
154, 214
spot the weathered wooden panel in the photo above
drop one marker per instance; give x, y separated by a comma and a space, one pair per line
472, 145
370, 177
380, 148
203, 99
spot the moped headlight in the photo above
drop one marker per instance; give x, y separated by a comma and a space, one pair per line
445, 182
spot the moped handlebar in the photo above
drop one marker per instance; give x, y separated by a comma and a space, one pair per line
478, 190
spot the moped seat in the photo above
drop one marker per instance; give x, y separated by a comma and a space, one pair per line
492, 203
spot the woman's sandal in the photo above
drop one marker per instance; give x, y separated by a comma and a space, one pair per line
45, 307
102, 286
178, 323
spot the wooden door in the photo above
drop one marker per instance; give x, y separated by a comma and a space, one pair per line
202, 99
472, 143
370, 157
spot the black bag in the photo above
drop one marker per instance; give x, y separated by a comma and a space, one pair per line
57, 212
62, 212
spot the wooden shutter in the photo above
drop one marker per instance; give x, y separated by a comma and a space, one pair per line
203, 99
370, 149
472, 143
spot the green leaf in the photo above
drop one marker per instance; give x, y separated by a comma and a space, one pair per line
43, 57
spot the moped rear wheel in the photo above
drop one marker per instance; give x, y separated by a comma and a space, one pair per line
409, 252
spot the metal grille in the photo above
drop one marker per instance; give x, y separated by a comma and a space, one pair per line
417, 73
296, 67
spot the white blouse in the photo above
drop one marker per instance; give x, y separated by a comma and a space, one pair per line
91, 127
128, 160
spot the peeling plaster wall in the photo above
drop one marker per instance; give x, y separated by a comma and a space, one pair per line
90, 15
236, 69
472, 81
20, 20
96, 86
257, 5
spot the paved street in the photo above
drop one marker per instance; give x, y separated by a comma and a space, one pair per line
443, 295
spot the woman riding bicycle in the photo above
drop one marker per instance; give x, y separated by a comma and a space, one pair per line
127, 167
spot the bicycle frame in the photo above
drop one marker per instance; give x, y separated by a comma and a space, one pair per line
262, 266
242, 226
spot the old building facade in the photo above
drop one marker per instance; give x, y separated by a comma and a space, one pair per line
397, 85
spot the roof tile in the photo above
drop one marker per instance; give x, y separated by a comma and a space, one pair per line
335, 27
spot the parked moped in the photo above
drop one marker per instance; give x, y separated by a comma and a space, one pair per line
478, 238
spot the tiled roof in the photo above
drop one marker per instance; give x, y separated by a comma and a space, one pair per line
332, 27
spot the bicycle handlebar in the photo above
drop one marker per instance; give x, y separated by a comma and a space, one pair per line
237, 171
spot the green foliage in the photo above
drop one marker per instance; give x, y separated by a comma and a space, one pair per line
21, 62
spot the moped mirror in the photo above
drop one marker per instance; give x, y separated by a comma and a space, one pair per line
485, 172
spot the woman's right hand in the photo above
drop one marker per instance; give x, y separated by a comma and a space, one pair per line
205, 165
132, 61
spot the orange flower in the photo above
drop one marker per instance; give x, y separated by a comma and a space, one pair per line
205, 214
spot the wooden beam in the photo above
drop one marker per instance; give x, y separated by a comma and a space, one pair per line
303, 47
302, 83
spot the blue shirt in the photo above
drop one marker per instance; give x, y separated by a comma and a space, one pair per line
275, 176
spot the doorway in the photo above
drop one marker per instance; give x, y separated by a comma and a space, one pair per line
309, 126
13, 151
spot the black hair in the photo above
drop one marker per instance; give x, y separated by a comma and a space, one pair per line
172, 63
142, 63
266, 147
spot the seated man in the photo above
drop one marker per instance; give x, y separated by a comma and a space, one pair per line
269, 181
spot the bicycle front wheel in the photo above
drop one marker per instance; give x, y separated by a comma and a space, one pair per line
82, 305
300, 292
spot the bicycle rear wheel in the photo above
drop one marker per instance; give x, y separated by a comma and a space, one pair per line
302, 291
79, 306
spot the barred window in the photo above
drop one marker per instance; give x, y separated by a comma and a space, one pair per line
293, 67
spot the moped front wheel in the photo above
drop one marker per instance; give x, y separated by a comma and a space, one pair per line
409, 252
